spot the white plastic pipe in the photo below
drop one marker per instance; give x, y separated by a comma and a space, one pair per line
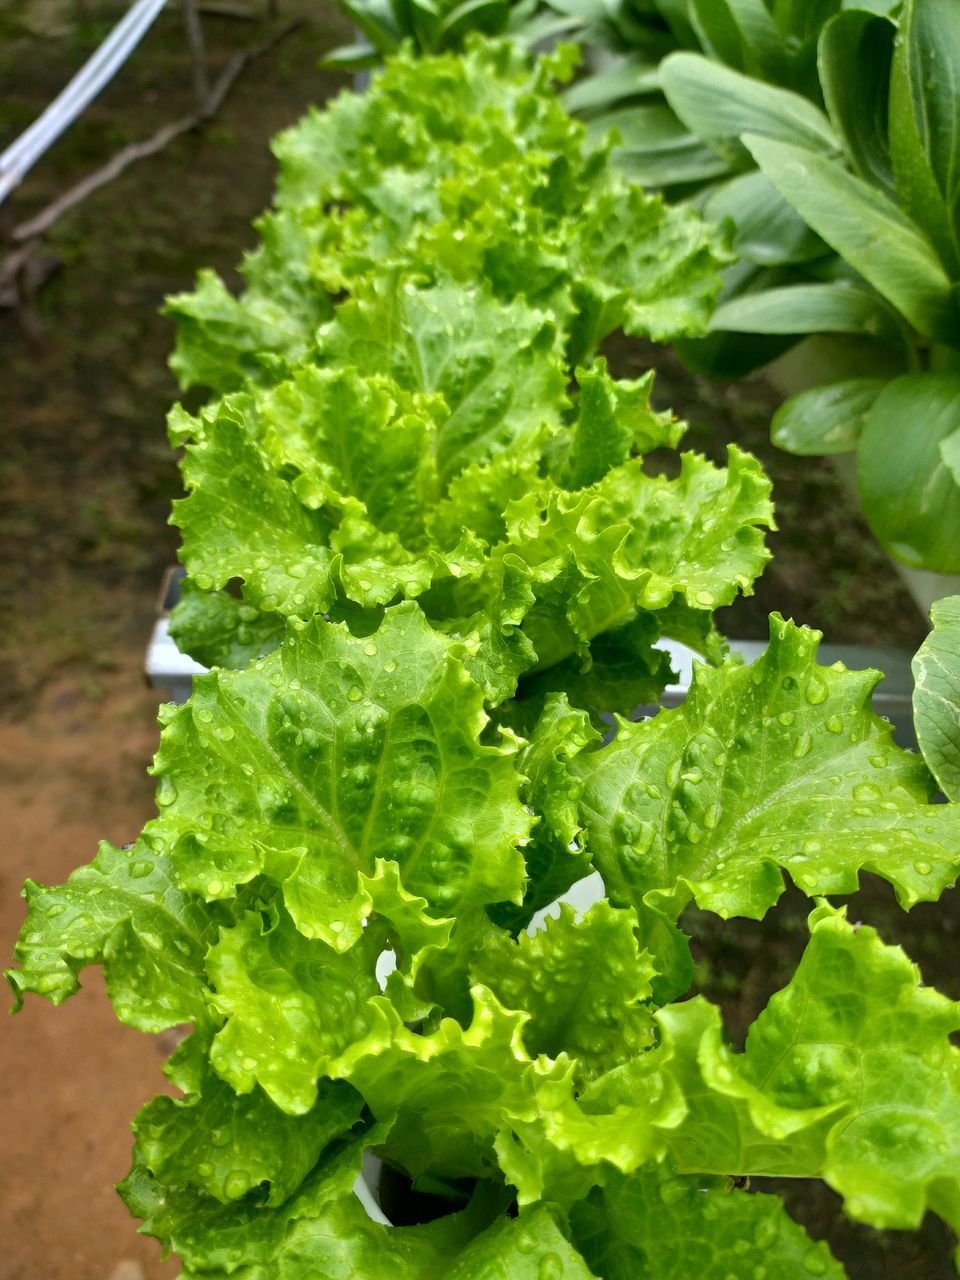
99, 69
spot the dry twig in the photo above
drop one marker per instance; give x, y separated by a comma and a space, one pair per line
26, 235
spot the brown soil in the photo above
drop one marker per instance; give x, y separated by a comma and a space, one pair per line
85, 485
72, 774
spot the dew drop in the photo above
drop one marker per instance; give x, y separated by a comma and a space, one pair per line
237, 1183
551, 1267
166, 791
835, 724
786, 717
814, 1264
816, 691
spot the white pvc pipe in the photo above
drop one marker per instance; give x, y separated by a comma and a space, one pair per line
99, 69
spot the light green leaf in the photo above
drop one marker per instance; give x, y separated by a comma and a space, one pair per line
223, 342
292, 1005
653, 1225
331, 753
553, 855
638, 265
936, 696
781, 764
595, 558
325, 1232
237, 502
219, 630
530, 1247
570, 1137
448, 1089
857, 1053
598, 982
825, 419
125, 911
614, 421
910, 496
497, 366
226, 1144
869, 232
621, 670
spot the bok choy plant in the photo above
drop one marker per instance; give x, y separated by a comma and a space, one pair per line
451, 559
834, 158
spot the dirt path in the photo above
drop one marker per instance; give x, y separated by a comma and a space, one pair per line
71, 774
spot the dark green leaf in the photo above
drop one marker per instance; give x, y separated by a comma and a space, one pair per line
867, 230
910, 498
741, 34
718, 104
932, 39
809, 308
936, 698
916, 187
854, 56
767, 230
633, 78
825, 419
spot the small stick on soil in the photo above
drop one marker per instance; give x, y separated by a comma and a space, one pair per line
43, 221
198, 52
238, 11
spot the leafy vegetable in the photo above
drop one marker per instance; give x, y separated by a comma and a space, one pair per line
430, 552
936, 698
849, 227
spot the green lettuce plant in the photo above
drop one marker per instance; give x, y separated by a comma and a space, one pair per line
444, 255
366, 804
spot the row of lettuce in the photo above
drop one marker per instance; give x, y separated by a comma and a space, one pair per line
432, 544
825, 135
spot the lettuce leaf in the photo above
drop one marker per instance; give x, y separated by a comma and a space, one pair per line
654, 1225
849, 1074
781, 765
466, 166
330, 754
125, 911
